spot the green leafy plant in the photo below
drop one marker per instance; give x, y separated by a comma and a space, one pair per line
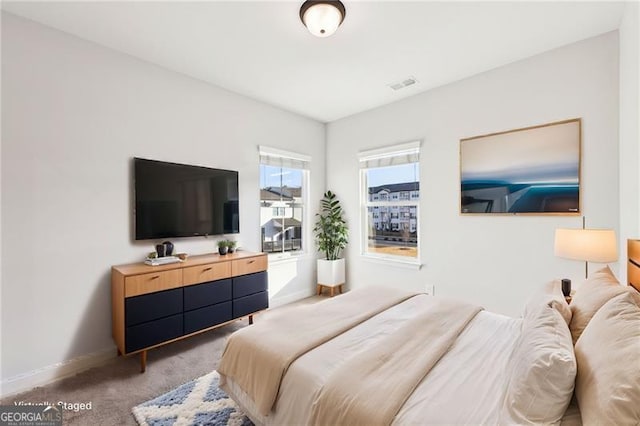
331, 229
222, 243
231, 246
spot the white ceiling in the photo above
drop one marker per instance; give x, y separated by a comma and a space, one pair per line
262, 50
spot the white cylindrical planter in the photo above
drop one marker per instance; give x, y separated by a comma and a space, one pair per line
330, 272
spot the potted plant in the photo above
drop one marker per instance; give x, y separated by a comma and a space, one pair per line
231, 246
222, 247
331, 236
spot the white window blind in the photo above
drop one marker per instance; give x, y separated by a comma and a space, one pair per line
280, 158
390, 156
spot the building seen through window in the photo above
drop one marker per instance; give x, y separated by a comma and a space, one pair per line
392, 210
281, 208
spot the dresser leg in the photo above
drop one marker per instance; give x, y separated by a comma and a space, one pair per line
250, 319
143, 361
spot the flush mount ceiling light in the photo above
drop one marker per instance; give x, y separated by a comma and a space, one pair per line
322, 18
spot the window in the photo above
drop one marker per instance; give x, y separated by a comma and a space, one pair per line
390, 194
284, 177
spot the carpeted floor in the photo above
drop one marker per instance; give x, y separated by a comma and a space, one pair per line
114, 388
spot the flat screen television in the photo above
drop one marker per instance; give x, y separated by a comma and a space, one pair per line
177, 200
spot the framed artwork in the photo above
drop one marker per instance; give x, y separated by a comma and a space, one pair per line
534, 170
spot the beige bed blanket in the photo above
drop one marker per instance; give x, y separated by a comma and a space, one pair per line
257, 357
372, 386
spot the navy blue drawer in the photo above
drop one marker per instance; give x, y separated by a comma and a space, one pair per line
245, 285
154, 332
152, 306
207, 317
250, 304
197, 296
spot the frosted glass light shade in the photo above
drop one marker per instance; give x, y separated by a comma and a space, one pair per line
589, 245
322, 18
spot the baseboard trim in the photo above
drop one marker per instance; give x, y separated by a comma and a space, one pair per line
290, 298
51, 373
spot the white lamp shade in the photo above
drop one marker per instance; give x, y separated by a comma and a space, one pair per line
322, 19
589, 245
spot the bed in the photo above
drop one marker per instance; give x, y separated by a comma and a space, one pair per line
382, 356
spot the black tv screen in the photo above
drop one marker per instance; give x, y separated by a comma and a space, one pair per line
178, 200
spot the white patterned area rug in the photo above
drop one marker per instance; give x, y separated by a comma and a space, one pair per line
199, 402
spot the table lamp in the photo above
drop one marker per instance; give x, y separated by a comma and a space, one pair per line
587, 245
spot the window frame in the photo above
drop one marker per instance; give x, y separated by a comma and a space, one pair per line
411, 203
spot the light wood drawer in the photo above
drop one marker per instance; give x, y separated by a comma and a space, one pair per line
208, 272
155, 281
249, 265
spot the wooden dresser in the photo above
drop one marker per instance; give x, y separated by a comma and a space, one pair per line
155, 305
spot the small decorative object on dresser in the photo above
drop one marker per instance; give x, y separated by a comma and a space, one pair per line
231, 246
168, 248
222, 247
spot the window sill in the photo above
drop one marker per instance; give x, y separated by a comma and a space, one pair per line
280, 258
401, 263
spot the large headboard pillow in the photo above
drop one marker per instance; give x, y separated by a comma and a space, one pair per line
601, 286
608, 355
541, 371
550, 294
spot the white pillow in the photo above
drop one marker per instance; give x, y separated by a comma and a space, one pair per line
601, 286
541, 371
550, 294
608, 355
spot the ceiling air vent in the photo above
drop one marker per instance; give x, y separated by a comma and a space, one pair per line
404, 83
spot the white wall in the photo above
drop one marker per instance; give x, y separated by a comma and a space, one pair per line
495, 261
629, 127
74, 114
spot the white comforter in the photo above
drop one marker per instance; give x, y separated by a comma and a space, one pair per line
465, 387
